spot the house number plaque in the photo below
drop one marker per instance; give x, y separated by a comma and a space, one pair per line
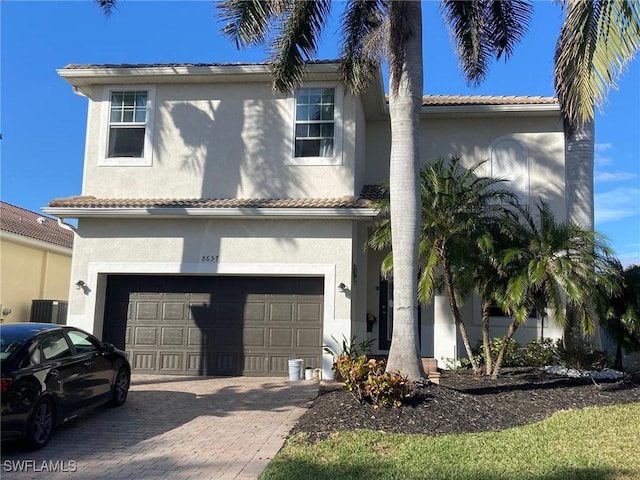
209, 258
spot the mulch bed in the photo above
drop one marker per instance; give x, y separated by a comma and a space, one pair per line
463, 403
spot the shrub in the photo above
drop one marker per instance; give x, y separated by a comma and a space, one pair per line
387, 389
536, 353
581, 356
539, 353
513, 355
350, 352
365, 378
353, 372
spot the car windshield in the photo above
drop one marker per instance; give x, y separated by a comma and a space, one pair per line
9, 345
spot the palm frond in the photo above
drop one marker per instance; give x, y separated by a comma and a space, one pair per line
107, 6
482, 29
465, 20
247, 22
362, 20
508, 23
386, 267
426, 283
297, 42
597, 40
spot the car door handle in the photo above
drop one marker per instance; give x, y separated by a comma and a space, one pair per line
87, 364
54, 373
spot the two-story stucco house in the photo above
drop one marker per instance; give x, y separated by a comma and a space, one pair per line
221, 225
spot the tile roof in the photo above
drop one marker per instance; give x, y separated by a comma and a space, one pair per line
97, 203
75, 66
374, 192
459, 100
428, 100
33, 225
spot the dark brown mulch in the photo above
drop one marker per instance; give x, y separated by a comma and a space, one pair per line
463, 403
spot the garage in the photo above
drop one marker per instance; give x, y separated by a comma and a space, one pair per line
215, 325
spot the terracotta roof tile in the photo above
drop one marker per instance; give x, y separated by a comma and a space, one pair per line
428, 100
33, 225
97, 203
459, 100
75, 66
374, 192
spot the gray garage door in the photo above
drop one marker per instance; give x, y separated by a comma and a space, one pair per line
215, 325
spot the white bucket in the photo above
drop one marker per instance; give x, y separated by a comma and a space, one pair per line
308, 373
295, 369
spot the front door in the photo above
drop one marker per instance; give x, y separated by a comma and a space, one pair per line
385, 326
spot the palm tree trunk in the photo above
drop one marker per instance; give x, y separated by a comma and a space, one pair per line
507, 340
486, 339
579, 163
405, 106
453, 304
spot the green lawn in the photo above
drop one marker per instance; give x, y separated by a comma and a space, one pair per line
589, 444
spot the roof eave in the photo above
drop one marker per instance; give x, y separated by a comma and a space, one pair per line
98, 75
35, 243
243, 213
472, 110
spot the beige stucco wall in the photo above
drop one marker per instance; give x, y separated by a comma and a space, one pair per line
320, 248
31, 271
472, 138
220, 141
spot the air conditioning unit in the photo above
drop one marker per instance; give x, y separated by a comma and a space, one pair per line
49, 311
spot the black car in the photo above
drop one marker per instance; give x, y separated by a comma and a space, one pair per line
53, 373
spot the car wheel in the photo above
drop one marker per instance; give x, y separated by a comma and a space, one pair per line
40, 424
120, 387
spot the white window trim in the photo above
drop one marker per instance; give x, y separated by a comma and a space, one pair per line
336, 159
104, 160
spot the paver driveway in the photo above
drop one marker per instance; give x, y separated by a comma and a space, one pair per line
174, 428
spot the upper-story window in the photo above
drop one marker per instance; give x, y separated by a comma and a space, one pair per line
314, 122
126, 138
127, 123
317, 131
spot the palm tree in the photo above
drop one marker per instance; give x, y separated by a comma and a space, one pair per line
621, 314
458, 208
598, 38
482, 29
557, 265
490, 279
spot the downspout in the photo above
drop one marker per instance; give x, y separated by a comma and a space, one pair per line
66, 226
80, 91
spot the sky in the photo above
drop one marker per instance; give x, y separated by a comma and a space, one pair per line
43, 123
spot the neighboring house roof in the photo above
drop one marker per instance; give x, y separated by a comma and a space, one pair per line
33, 225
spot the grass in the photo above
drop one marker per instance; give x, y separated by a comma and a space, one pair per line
597, 443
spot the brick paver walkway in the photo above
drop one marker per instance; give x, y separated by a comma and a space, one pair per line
172, 428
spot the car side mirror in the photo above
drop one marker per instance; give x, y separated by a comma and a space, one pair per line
109, 347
